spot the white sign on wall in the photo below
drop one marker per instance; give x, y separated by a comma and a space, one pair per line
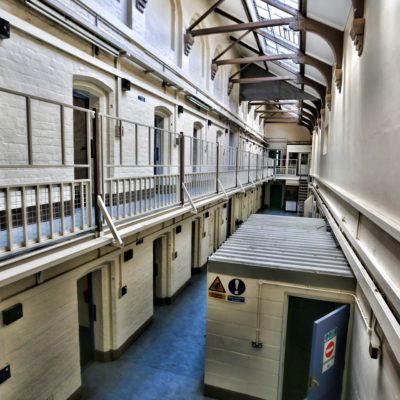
329, 350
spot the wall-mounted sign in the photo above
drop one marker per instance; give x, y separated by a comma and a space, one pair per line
237, 287
217, 290
329, 350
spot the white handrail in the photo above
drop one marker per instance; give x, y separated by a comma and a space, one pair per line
117, 238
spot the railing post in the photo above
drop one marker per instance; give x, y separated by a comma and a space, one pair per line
217, 169
248, 168
237, 165
97, 168
182, 167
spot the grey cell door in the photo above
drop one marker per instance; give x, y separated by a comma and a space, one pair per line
328, 350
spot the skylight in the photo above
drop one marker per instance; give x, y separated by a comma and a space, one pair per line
279, 39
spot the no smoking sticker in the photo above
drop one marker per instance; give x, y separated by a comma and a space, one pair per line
329, 350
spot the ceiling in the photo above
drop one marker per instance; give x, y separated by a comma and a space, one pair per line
283, 40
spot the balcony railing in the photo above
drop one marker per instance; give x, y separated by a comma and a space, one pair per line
286, 167
51, 176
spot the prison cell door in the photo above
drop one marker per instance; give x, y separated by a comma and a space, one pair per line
328, 351
158, 148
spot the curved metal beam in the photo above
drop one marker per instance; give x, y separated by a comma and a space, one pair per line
321, 89
323, 68
332, 36
310, 129
313, 110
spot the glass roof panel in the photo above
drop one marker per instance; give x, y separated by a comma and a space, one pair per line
279, 39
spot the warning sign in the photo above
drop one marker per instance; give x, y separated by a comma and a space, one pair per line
329, 350
215, 295
217, 290
217, 286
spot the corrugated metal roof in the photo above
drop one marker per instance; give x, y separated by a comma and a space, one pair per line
284, 248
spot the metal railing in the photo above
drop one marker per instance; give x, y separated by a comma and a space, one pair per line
142, 174
201, 163
60, 158
286, 167
46, 189
227, 162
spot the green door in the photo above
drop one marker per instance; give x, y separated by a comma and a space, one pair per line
276, 197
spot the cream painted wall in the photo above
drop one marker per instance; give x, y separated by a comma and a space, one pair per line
231, 361
362, 156
279, 134
360, 160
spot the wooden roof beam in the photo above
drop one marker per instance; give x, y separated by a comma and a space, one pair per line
247, 60
242, 27
260, 79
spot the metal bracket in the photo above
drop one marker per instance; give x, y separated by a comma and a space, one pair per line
222, 188
117, 238
194, 209
241, 186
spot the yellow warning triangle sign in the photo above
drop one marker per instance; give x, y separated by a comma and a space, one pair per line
217, 286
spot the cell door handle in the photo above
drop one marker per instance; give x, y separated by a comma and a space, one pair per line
312, 382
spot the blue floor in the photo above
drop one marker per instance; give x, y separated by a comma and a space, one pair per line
166, 362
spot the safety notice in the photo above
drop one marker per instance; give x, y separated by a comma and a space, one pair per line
217, 290
329, 350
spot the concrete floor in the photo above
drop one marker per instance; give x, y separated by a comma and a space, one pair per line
166, 362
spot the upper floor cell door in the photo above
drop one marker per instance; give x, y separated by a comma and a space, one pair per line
158, 145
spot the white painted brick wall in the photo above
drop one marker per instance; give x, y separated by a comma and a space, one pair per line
42, 347
136, 307
13, 130
181, 266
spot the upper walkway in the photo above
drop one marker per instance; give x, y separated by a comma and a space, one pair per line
50, 193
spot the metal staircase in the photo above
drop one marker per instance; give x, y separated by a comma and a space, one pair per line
302, 195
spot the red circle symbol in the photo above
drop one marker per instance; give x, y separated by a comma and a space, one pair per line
330, 348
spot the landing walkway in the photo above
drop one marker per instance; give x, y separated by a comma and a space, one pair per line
166, 362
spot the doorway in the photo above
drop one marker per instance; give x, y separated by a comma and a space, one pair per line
160, 278
229, 218
304, 160
195, 248
86, 318
158, 147
275, 202
291, 195
217, 222
195, 149
310, 324
80, 99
